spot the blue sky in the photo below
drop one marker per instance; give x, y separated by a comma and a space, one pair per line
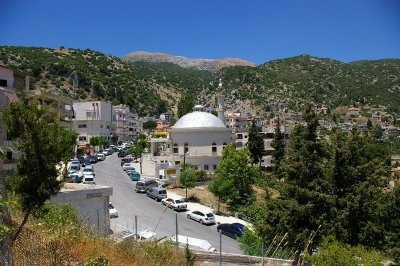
255, 30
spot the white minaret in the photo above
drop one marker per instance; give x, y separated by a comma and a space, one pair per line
221, 104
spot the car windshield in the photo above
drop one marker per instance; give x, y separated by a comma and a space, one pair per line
89, 179
179, 201
210, 215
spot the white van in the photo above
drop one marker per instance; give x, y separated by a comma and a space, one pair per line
157, 193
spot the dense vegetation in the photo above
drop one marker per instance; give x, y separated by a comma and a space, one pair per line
339, 187
153, 88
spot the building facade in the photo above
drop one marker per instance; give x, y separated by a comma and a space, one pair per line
93, 118
127, 124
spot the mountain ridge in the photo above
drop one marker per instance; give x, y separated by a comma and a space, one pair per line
186, 62
152, 88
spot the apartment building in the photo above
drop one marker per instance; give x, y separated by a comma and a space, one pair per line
126, 123
92, 118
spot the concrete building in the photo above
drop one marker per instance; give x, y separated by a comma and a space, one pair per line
56, 101
126, 124
94, 118
90, 202
11, 81
237, 122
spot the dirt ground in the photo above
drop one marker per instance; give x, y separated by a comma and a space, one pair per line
203, 196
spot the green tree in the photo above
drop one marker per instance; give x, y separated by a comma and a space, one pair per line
187, 179
279, 148
333, 253
150, 125
94, 142
45, 144
139, 148
234, 178
255, 143
185, 105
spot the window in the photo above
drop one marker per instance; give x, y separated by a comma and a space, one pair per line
205, 167
214, 166
214, 147
3, 82
82, 126
175, 149
81, 138
186, 148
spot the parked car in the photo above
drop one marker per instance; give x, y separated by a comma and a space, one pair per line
112, 210
126, 165
101, 156
81, 160
89, 179
232, 230
89, 169
122, 153
92, 158
145, 184
135, 176
130, 169
125, 160
76, 177
157, 193
175, 204
75, 165
202, 217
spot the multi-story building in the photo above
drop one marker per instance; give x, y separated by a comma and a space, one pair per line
237, 122
127, 124
93, 118
56, 101
11, 81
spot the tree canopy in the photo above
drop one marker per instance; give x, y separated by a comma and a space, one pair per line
255, 143
234, 177
45, 144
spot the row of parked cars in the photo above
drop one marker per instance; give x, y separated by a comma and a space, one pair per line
154, 191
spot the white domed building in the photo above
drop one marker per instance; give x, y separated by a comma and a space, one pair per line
197, 138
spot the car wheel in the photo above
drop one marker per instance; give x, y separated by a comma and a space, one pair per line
188, 216
201, 221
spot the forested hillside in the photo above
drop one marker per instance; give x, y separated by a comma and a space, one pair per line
151, 88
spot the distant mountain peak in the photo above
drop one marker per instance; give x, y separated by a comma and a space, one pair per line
202, 64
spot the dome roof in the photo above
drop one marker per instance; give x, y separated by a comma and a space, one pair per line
199, 120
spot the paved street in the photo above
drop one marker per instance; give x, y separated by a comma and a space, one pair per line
151, 214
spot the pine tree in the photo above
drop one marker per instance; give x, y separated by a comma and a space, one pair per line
255, 144
279, 149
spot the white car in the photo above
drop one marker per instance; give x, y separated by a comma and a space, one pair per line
126, 165
112, 210
89, 179
175, 204
202, 217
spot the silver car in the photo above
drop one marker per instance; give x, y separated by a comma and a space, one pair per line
202, 217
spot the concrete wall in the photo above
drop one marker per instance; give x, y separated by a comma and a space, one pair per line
91, 203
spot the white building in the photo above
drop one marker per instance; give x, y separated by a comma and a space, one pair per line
92, 118
197, 138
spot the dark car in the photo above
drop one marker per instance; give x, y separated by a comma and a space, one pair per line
81, 160
93, 159
122, 153
232, 230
